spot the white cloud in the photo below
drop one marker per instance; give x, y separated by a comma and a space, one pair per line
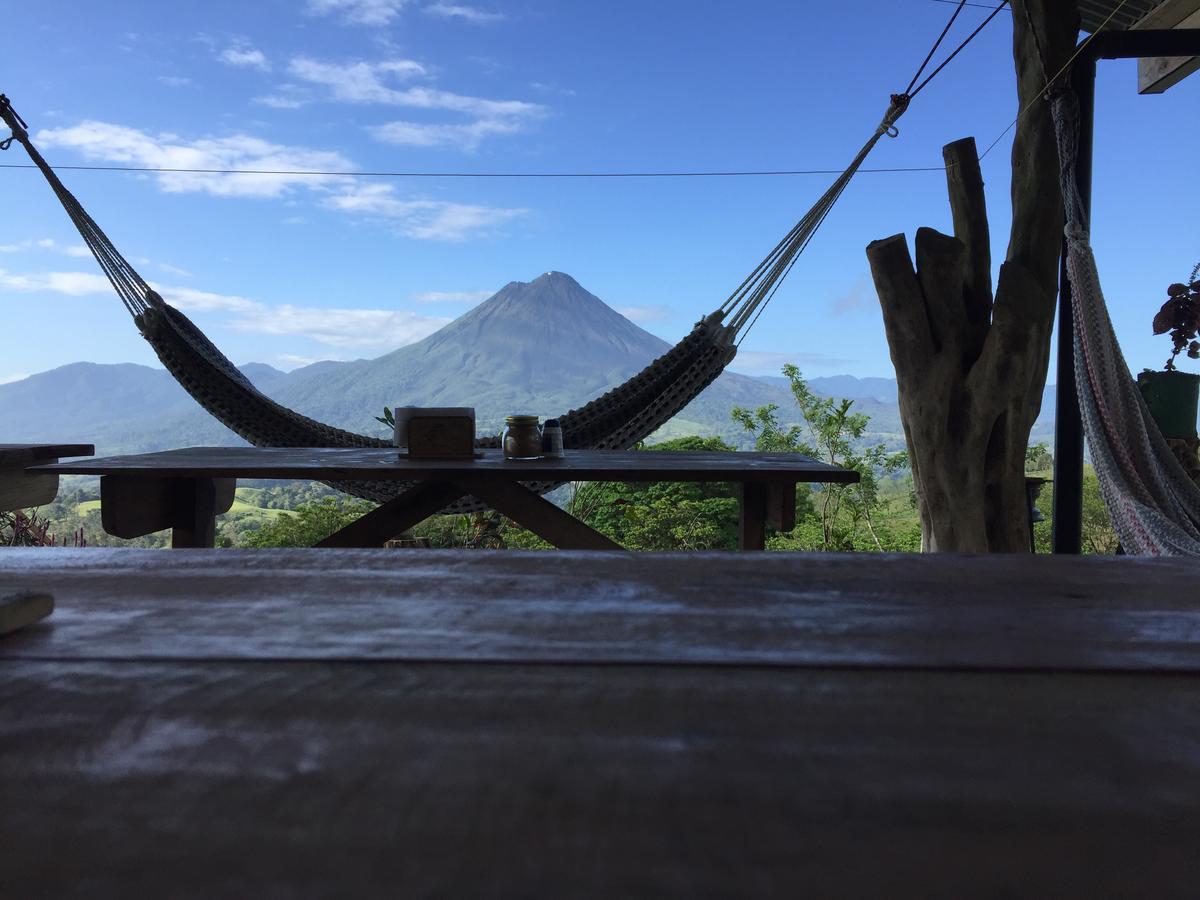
363, 82
645, 313
472, 14
760, 362
422, 219
16, 376
469, 297
468, 137
174, 80
72, 284
279, 101
77, 250
416, 218
27, 244
342, 327
376, 328
191, 300
241, 55
291, 361
551, 88
359, 82
107, 142
174, 270
853, 299
359, 12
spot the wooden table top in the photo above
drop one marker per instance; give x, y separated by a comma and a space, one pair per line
386, 464
407, 723
28, 454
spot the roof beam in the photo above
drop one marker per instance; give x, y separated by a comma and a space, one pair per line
1157, 74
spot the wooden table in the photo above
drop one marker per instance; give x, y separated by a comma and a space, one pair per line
186, 489
290, 723
20, 489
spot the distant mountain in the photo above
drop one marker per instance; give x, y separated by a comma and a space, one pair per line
848, 386
119, 408
541, 347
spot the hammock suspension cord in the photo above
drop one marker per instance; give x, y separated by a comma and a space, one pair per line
752, 296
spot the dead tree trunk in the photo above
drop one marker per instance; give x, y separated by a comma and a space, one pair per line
971, 365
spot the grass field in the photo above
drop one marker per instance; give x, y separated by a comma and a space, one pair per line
245, 504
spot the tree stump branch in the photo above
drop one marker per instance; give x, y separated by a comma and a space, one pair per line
971, 364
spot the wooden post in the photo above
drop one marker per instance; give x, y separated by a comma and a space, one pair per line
752, 516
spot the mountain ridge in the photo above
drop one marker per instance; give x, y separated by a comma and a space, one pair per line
541, 347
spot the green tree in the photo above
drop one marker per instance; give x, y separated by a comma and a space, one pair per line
312, 522
663, 516
833, 434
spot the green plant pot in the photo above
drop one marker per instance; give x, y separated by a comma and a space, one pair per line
1172, 398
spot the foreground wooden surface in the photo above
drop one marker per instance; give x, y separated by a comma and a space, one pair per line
375, 723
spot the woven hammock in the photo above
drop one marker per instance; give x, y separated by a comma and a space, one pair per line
617, 420
1152, 502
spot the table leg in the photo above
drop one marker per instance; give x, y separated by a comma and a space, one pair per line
781, 505
537, 514
131, 506
396, 515
752, 524
196, 515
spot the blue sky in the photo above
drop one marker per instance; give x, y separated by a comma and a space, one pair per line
291, 269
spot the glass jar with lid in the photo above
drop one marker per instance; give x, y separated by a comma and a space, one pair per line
522, 438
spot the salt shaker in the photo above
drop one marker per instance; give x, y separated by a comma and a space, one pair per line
552, 440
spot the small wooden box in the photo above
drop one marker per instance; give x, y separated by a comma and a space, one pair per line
441, 437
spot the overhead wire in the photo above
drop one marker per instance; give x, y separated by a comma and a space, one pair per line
743, 173
736, 173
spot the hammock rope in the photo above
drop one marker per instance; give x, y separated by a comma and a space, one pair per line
1152, 502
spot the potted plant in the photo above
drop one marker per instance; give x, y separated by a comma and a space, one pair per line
1172, 395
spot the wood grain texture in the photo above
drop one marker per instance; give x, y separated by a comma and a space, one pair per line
1046, 613
402, 780
386, 464
372, 723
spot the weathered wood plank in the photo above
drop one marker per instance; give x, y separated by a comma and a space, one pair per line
386, 464
1160, 73
354, 780
1053, 613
